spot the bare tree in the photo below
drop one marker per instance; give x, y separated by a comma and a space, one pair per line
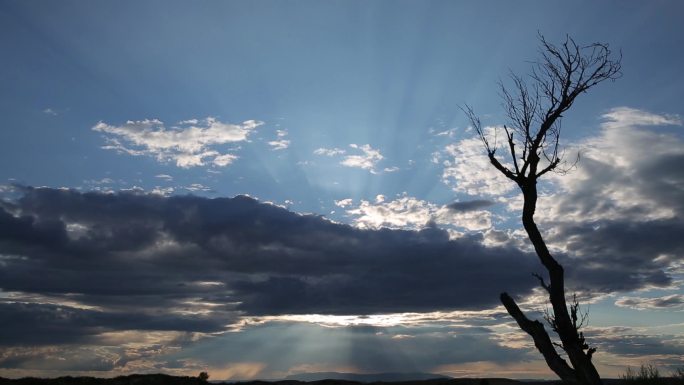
534, 107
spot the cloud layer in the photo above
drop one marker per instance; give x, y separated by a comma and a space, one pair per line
125, 260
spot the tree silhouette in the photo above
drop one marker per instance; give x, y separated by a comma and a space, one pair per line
534, 106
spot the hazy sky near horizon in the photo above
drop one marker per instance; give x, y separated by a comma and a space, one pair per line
262, 188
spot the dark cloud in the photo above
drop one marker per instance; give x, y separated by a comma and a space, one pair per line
672, 301
192, 264
64, 359
637, 345
620, 255
472, 205
621, 215
37, 324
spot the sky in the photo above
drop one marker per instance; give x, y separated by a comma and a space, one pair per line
263, 188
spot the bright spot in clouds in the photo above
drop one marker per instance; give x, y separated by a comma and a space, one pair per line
190, 143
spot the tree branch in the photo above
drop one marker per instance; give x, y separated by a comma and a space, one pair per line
541, 340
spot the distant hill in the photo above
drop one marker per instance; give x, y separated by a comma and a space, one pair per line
377, 377
326, 378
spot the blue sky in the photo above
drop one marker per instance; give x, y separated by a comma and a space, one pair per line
347, 110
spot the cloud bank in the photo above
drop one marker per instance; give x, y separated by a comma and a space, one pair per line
130, 260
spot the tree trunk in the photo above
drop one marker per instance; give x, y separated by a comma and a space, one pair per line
584, 371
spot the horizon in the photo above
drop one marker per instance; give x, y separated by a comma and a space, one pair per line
262, 188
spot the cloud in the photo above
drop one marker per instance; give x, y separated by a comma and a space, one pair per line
58, 359
614, 220
408, 212
190, 143
58, 324
467, 169
194, 187
669, 302
637, 345
621, 211
620, 117
163, 190
281, 143
329, 151
366, 161
222, 160
472, 205
99, 266
344, 202
450, 133
50, 111
165, 177
129, 260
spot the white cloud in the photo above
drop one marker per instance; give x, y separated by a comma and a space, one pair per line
164, 191
50, 111
279, 144
412, 213
620, 117
197, 187
191, 143
224, 160
450, 133
329, 151
622, 157
344, 202
366, 161
165, 177
469, 171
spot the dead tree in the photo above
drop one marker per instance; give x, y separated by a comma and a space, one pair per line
534, 106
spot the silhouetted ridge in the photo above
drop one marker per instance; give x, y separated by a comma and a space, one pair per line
375, 377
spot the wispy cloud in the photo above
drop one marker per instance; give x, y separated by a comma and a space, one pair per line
190, 143
281, 143
344, 202
361, 156
629, 117
367, 160
165, 177
194, 187
329, 151
467, 169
